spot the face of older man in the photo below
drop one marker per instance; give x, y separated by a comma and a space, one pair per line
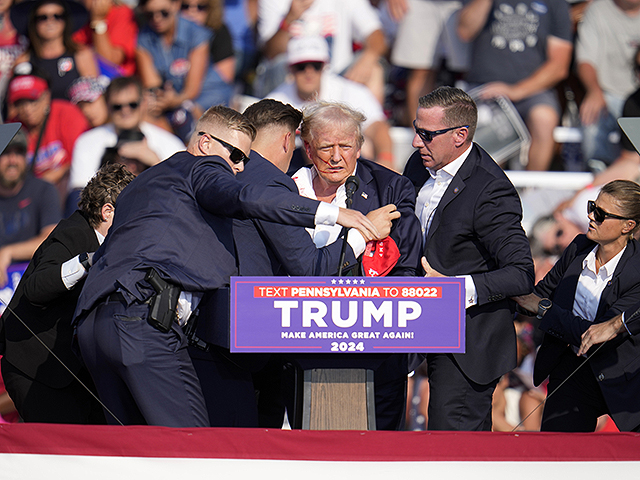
334, 152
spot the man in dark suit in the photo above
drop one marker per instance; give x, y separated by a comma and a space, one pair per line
332, 136
470, 215
264, 248
175, 219
41, 388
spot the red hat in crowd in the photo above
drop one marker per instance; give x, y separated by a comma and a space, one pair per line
380, 257
27, 87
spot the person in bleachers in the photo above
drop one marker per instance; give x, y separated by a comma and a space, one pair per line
173, 59
29, 207
88, 94
426, 35
209, 13
52, 127
605, 54
126, 106
521, 50
307, 58
112, 32
48, 24
343, 24
12, 46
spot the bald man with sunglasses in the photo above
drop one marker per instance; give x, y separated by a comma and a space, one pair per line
171, 242
470, 215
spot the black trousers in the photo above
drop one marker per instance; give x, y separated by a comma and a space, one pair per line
39, 403
576, 405
455, 401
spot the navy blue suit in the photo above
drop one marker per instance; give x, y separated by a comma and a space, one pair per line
614, 369
476, 231
176, 218
379, 186
263, 248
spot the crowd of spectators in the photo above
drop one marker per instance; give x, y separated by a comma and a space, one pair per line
98, 81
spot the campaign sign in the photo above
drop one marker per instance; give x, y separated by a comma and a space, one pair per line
347, 314
14, 274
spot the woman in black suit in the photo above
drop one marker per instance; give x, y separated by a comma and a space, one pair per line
596, 279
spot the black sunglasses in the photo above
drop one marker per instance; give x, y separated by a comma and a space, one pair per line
150, 15
427, 135
59, 17
301, 67
202, 7
116, 107
599, 214
235, 154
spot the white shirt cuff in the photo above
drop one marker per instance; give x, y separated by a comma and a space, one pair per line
327, 214
471, 296
356, 241
72, 272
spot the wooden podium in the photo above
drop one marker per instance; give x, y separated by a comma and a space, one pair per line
338, 399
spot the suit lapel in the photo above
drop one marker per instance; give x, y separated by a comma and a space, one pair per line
366, 197
454, 189
610, 292
565, 292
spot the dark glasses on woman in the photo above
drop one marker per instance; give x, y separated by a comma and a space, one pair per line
235, 154
58, 17
201, 7
163, 13
599, 215
427, 135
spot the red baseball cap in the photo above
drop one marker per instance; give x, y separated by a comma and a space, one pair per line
27, 87
380, 257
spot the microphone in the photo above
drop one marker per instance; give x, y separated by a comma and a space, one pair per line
351, 186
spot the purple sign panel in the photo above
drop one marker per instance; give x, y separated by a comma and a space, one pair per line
347, 314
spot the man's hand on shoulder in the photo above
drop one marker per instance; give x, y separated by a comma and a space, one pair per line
382, 218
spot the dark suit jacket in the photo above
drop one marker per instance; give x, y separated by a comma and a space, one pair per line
617, 365
476, 231
43, 302
267, 248
379, 186
176, 217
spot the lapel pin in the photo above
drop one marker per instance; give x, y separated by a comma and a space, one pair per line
455, 190
364, 195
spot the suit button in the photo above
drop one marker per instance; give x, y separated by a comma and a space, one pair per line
601, 377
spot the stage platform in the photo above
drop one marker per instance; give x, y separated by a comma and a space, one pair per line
52, 452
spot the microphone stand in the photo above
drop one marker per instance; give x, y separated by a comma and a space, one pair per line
351, 186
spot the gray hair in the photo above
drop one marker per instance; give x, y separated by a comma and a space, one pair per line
322, 114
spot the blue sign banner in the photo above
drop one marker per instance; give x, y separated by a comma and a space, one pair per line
347, 314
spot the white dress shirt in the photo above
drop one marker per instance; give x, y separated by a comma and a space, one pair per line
591, 283
428, 200
324, 235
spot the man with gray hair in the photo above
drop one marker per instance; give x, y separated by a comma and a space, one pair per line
470, 215
172, 241
332, 135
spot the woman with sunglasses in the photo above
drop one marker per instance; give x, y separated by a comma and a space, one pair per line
209, 13
49, 24
173, 59
597, 278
